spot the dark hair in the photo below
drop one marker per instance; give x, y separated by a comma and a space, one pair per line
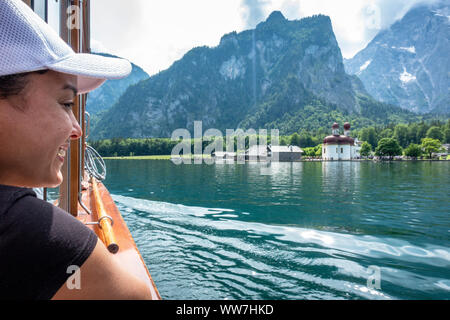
12, 85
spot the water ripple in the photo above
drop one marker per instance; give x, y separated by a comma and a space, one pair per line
254, 260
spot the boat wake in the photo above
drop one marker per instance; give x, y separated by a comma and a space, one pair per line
209, 253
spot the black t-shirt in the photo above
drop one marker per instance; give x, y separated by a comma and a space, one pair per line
38, 243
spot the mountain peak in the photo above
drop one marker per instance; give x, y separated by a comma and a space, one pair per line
402, 65
275, 16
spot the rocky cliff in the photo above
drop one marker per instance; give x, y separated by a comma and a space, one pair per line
288, 74
408, 64
103, 98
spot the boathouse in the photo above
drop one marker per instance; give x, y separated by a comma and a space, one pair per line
257, 153
220, 155
285, 153
273, 153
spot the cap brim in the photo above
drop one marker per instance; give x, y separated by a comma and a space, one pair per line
92, 70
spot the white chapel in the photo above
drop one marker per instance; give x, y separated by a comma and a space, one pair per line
338, 147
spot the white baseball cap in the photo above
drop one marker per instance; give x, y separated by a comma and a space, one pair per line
29, 44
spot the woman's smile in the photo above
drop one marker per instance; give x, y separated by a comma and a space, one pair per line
62, 152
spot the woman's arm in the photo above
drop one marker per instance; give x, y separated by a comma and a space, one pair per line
103, 278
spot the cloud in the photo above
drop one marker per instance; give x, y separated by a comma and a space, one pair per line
99, 47
355, 22
115, 19
291, 9
378, 15
154, 34
391, 11
347, 17
254, 11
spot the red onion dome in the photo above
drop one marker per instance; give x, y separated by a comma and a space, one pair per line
335, 126
347, 126
341, 140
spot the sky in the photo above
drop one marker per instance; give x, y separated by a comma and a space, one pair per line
155, 33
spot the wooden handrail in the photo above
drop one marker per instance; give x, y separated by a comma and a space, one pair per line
104, 221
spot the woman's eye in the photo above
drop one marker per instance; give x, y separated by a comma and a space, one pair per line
68, 105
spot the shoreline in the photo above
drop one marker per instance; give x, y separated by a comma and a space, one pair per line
169, 157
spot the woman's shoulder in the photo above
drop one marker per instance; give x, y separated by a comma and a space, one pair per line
22, 213
9, 195
39, 242
21, 208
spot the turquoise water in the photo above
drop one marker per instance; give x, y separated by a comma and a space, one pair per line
312, 230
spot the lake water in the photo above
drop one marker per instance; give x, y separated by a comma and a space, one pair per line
309, 230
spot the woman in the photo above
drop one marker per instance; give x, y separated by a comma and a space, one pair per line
41, 245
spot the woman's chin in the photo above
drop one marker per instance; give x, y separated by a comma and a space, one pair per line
59, 179
55, 181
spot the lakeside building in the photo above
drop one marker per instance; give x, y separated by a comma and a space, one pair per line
264, 153
285, 153
225, 155
257, 153
445, 151
274, 153
340, 147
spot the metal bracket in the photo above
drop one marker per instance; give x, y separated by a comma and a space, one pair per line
88, 125
100, 220
82, 204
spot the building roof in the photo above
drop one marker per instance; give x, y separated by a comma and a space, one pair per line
286, 149
257, 150
338, 140
221, 154
262, 150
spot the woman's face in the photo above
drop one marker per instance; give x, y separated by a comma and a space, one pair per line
36, 127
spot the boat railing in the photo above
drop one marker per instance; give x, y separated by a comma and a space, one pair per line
105, 222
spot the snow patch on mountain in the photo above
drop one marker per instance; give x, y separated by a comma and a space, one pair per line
406, 77
409, 49
411, 57
365, 65
444, 13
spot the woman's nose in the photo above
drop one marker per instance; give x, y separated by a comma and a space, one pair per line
77, 132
